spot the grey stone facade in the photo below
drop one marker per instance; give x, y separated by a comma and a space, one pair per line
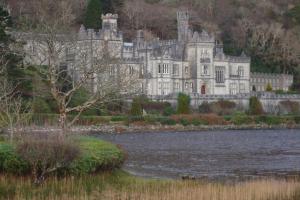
194, 63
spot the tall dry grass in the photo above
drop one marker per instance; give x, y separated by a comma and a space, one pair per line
124, 187
254, 190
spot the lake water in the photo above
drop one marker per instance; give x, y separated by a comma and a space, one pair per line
211, 154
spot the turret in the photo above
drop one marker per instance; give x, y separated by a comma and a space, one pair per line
183, 25
110, 22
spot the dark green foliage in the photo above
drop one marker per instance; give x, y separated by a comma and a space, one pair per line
293, 15
93, 14
198, 122
221, 107
255, 106
40, 106
183, 104
112, 6
9, 59
118, 118
168, 111
270, 120
10, 161
205, 108
241, 118
95, 155
79, 98
136, 107
167, 121
297, 119
184, 122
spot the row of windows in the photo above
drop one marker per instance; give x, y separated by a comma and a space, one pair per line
264, 80
234, 88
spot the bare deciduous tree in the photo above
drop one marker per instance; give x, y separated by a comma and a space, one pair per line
68, 65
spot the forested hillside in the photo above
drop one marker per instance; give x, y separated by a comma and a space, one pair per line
267, 30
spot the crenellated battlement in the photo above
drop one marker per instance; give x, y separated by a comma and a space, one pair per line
109, 16
183, 15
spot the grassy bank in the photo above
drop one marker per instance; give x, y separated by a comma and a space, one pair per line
94, 156
118, 185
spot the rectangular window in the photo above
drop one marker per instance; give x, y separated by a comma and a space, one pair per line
176, 69
220, 74
159, 69
176, 87
233, 88
242, 88
186, 69
240, 71
205, 70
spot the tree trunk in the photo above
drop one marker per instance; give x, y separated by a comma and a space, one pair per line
63, 121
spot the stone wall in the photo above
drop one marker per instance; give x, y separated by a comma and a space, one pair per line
270, 101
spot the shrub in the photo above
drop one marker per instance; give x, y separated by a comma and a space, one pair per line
223, 107
269, 88
46, 154
297, 119
167, 121
168, 111
270, 120
207, 119
136, 108
11, 162
155, 107
241, 118
183, 105
118, 118
255, 106
198, 122
184, 122
96, 155
205, 108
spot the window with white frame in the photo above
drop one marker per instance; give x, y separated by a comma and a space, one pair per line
186, 85
241, 71
242, 88
176, 87
220, 75
176, 69
233, 88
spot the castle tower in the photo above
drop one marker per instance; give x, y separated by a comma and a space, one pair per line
110, 22
183, 25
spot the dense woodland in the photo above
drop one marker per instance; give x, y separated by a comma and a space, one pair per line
268, 30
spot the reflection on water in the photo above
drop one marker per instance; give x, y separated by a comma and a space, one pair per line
212, 154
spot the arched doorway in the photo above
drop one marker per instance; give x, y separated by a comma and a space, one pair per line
203, 89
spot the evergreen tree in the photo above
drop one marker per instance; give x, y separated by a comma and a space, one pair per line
93, 14
136, 108
255, 106
9, 60
183, 104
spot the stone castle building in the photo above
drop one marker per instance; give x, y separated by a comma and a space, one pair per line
194, 63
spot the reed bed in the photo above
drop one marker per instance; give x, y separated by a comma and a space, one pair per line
120, 186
